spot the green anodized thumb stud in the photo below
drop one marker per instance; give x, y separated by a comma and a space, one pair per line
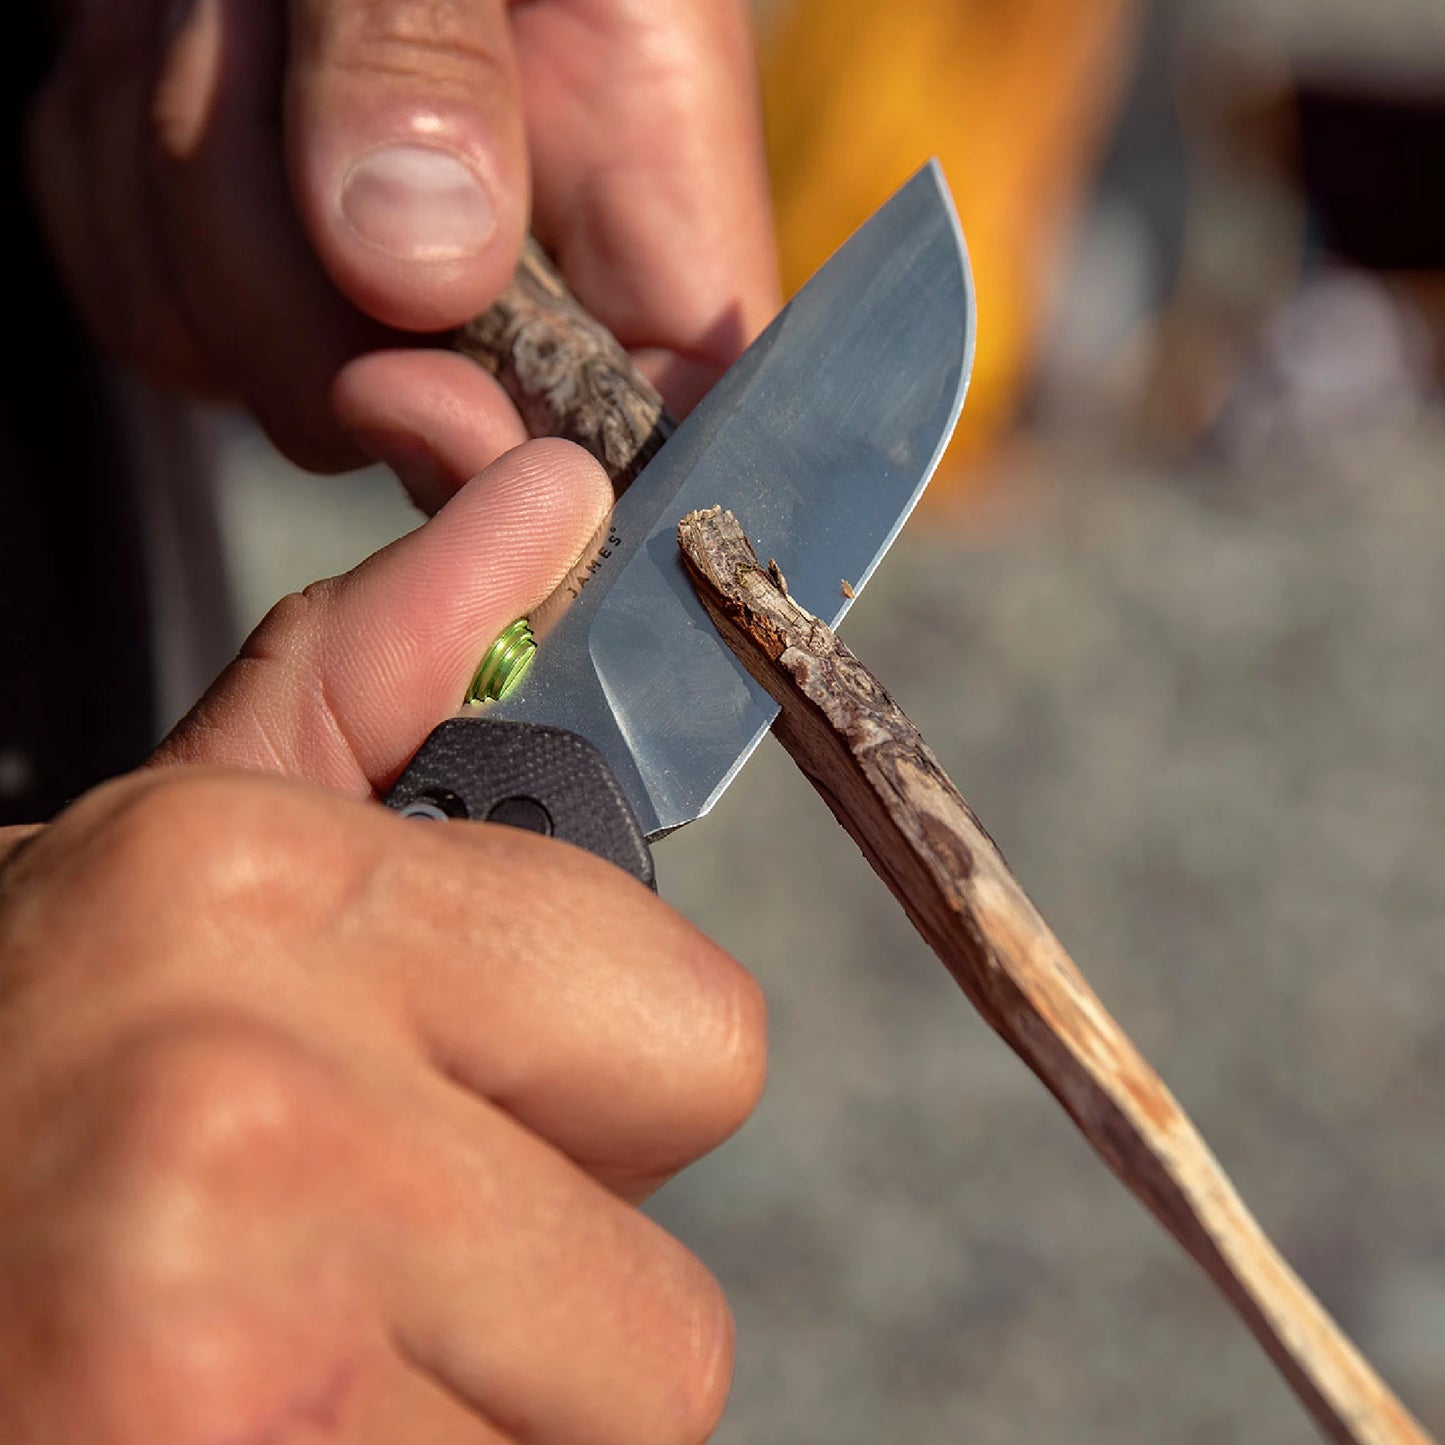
505, 664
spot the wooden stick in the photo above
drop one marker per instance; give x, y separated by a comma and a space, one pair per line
565, 371
885, 786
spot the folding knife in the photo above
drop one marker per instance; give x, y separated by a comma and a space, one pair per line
634, 715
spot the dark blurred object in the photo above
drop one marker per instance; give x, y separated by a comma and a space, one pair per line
75, 669
1373, 170
1309, 300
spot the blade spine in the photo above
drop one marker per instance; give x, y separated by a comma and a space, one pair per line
960, 395
654, 514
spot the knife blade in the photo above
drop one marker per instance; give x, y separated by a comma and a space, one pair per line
635, 716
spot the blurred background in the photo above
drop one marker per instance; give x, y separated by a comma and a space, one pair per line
1171, 617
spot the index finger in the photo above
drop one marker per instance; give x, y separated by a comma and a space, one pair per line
649, 178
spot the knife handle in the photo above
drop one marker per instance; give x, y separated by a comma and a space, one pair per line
525, 775
565, 372
568, 377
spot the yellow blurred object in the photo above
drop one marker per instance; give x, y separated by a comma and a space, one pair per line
1013, 99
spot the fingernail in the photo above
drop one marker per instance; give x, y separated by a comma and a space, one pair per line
418, 203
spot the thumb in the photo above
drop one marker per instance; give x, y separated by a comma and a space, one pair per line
340, 683
407, 152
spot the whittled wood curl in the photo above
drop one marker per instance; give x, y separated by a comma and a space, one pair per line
566, 373
883, 783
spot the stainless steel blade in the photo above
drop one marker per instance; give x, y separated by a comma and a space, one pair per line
821, 437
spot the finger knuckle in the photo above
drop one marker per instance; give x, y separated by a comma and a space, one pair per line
705, 1367
134, 1227
195, 839
678, 1349
729, 1038
745, 1042
194, 1108
186, 859
443, 42
674, 1361
719, 1049
117, 849
162, 822
291, 626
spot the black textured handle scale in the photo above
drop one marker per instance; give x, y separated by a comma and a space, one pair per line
543, 779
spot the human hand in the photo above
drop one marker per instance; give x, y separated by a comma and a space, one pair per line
219, 186
319, 1123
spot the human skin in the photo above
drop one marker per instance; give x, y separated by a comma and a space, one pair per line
320, 1124
218, 186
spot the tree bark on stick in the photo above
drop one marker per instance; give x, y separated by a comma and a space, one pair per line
566, 373
883, 783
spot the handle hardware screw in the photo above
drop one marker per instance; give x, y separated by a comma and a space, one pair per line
505, 664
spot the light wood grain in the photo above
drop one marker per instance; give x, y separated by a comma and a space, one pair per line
885, 786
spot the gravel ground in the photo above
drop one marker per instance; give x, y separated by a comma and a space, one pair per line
1201, 715
1202, 720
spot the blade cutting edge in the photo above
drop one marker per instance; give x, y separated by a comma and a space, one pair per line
821, 437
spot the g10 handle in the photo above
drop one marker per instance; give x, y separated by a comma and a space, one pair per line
524, 775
